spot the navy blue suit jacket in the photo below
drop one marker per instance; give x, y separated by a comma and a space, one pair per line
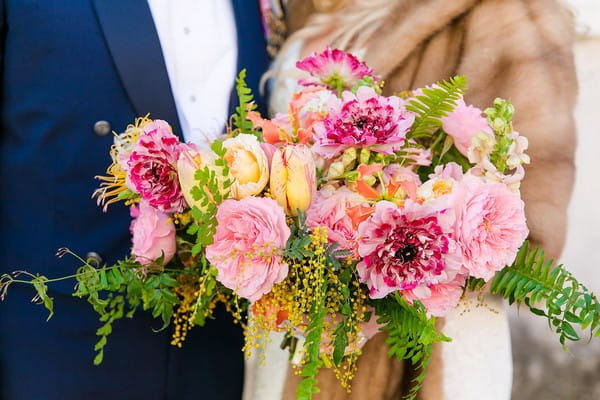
65, 65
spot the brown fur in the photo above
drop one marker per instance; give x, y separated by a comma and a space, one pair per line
516, 49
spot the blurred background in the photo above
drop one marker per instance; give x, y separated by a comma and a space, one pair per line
542, 369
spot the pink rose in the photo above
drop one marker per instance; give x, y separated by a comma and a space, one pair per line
153, 167
251, 234
153, 234
490, 225
329, 209
463, 123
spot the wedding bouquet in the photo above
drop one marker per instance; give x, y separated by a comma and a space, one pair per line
350, 214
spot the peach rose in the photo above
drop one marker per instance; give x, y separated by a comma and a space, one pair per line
251, 234
248, 165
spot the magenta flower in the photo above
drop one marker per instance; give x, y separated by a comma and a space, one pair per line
335, 68
407, 249
490, 225
363, 120
153, 167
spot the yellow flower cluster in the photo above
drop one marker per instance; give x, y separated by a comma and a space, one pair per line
290, 302
183, 318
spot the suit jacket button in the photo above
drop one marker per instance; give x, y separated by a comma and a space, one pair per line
93, 259
102, 128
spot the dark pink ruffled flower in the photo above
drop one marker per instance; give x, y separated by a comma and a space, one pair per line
363, 120
334, 68
153, 167
408, 248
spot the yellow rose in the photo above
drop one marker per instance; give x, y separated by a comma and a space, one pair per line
248, 165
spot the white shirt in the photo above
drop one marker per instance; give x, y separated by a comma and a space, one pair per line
199, 44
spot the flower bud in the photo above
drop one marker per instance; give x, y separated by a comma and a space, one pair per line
336, 170
365, 154
349, 156
293, 178
498, 125
370, 180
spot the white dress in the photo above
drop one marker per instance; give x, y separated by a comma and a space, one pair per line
477, 364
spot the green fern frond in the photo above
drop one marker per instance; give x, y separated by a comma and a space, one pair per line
245, 98
411, 334
435, 102
313, 362
549, 291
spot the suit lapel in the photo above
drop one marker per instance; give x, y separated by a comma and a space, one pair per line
133, 42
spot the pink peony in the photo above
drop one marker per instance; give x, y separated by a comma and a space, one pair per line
408, 248
490, 225
463, 123
251, 234
153, 167
443, 297
329, 209
153, 234
362, 120
334, 68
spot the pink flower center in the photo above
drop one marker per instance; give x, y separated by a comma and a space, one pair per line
412, 252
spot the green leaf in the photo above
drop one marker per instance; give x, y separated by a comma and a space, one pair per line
411, 334
435, 102
340, 343
99, 357
549, 291
240, 118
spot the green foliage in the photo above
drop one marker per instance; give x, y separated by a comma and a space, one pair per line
411, 334
474, 284
207, 291
443, 152
535, 281
212, 187
345, 326
118, 291
296, 246
40, 284
435, 102
127, 195
312, 345
240, 118
368, 81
